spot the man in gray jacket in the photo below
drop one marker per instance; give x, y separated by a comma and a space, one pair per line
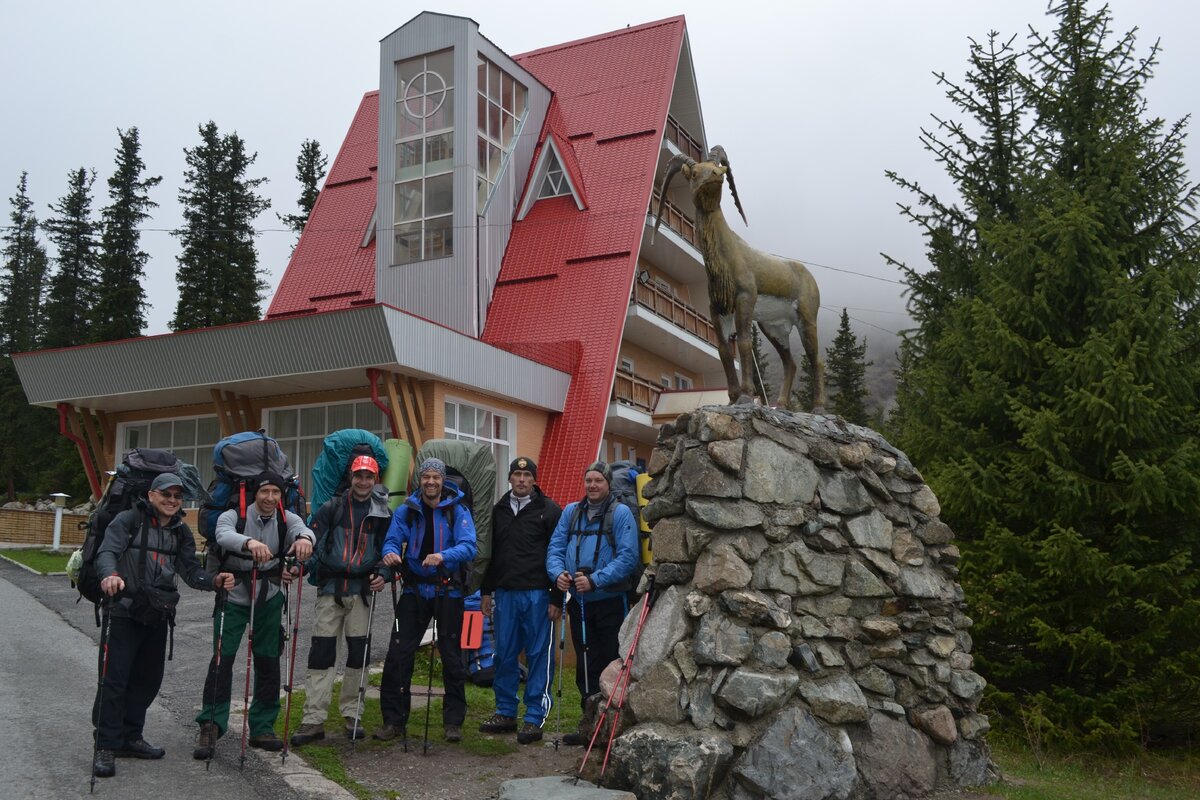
254, 556
144, 549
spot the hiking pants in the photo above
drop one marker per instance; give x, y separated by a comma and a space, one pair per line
135, 672
603, 620
334, 617
217, 685
522, 626
413, 614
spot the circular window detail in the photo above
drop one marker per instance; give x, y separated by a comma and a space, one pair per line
421, 105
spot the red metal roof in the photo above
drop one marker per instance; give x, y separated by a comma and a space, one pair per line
329, 268
611, 94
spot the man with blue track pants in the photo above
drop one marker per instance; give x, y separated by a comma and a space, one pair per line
525, 604
432, 542
593, 554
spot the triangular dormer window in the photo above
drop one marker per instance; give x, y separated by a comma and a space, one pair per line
550, 179
555, 183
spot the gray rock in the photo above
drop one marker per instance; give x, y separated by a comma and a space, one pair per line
720, 568
870, 530
663, 507
786, 438
853, 455
973, 726
669, 573
710, 426
889, 707
874, 484
750, 546
856, 654
701, 708
655, 697
905, 548
655, 761
829, 655
755, 692
935, 532
669, 540
724, 514
923, 582
861, 582
925, 501
892, 648
836, 699
880, 628
556, 787
772, 649
894, 760
940, 646
881, 464
881, 562
720, 640
821, 606
876, 680
970, 763
666, 624
796, 758
727, 454
938, 722
682, 655
754, 607
775, 474
701, 477
782, 569
843, 492
697, 604
961, 660
966, 684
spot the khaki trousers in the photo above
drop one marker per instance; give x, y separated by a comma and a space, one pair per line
333, 622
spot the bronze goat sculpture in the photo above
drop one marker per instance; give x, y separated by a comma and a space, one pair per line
746, 285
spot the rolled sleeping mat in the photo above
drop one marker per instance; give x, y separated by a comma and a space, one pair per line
395, 477
643, 528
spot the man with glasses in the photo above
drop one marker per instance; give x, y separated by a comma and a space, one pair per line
144, 548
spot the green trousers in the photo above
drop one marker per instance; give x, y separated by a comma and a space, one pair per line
217, 686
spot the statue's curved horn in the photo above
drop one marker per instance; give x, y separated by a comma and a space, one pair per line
716, 154
674, 165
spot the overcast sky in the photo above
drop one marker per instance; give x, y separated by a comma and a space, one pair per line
813, 101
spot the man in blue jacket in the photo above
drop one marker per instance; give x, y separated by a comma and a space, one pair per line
432, 542
593, 554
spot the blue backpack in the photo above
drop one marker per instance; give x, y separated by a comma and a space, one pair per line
237, 461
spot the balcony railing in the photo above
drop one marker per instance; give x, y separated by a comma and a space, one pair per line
675, 219
670, 307
635, 391
679, 136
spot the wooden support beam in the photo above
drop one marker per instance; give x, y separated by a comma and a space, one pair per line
93, 437
249, 420
389, 383
222, 413
418, 400
108, 431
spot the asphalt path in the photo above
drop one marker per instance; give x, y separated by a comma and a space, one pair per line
48, 647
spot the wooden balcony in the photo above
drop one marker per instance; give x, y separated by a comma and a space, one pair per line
675, 219
679, 136
671, 308
635, 391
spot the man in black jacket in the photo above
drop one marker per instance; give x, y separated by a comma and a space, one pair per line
345, 567
144, 549
525, 604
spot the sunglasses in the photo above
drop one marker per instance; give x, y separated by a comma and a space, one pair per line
172, 495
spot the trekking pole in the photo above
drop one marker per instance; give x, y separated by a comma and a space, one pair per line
249, 660
621, 684
287, 714
395, 603
562, 653
106, 621
222, 599
587, 687
362, 678
429, 690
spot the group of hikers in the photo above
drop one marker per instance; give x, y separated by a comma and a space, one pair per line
545, 562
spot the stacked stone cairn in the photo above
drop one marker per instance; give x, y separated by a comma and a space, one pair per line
808, 639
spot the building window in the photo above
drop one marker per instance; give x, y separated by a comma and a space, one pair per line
665, 380
191, 439
626, 365
424, 185
474, 424
682, 381
500, 105
301, 431
555, 183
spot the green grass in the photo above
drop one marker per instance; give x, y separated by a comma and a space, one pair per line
1146, 776
329, 755
44, 561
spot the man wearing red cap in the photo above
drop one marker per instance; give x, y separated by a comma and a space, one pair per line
346, 567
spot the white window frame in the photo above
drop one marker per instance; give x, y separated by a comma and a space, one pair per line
122, 435
626, 360
291, 444
683, 383
501, 469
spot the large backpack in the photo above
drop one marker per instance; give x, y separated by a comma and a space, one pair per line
475, 466
238, 460
132, 480
330, 474
624, 486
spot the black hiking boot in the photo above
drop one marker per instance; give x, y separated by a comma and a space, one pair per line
389, 732
140, 749
311, 732
529, 733
267, 741
206, 743
452, 733
498, 723
104, 765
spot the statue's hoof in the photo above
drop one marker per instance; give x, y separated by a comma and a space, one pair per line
744, 400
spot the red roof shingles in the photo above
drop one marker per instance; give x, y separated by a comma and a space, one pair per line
329, 268
617, 88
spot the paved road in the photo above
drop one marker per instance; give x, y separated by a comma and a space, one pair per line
48, 681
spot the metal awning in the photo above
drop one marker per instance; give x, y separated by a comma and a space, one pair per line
307, 353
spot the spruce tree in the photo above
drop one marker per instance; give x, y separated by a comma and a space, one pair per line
219, 279
1051, 386
846, 370
310, 169
72, 289
120, 311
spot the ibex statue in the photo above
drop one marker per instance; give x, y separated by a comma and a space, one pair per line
747, 285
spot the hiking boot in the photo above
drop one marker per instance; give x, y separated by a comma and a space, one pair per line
354, 731
498, 723
104, 764
389, 732
576, 739
206, 744
267, 741
140, 749
529, 733
311, 732
452, 733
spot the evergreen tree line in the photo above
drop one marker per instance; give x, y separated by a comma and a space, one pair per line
92, 290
